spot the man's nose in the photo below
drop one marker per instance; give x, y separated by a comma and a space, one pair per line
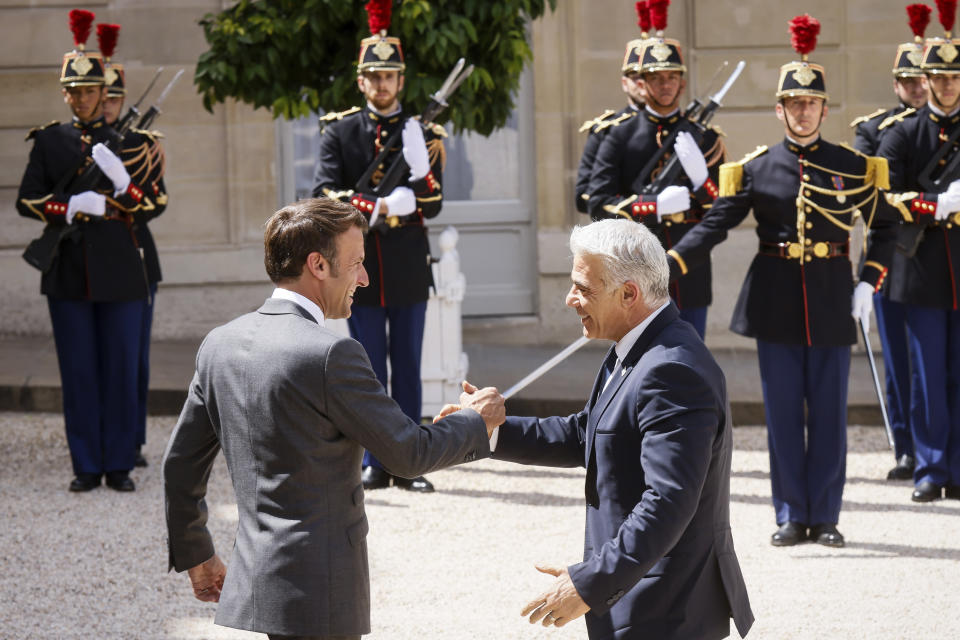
364, 279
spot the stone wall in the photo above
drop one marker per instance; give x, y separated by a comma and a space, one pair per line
221, 171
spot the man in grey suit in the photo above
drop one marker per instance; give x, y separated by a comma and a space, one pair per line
293, 405
656, 442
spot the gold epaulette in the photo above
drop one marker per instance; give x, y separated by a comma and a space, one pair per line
896, 118
623, 117
867, 118
717, 130
878, 172
438, 130
338, 115
588, 124
33, 132
851, 149
153, 134
731, 173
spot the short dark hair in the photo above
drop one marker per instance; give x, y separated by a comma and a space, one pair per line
299, 229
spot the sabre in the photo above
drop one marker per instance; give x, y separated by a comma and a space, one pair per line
134, 111
546, 366
718, 96
876, 383
147, 119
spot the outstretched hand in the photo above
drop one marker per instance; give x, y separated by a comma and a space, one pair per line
559, 604
207, 579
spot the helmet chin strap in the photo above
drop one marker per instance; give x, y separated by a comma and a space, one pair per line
794, 134
938, 103
98, 105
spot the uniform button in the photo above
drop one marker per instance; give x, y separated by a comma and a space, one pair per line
809, 258
809, 225
808, 209
809, 241
806, 178
806, 193
669, 224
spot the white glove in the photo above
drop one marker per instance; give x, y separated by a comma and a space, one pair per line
948, 201
88, 202
400, 202
673, 199
691, 159
112, 167
863, 304
415, 150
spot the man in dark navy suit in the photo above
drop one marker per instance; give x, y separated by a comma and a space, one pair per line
655, 439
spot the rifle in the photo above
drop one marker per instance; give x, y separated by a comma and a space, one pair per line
399, 169
695, 120
88, 174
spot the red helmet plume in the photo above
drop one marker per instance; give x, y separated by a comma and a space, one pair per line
803, 34
378, 16
80, 21
918, 16
947, 13
107, 35
658, 13
643, 16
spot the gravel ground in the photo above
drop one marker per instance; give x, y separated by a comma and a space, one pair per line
459, 563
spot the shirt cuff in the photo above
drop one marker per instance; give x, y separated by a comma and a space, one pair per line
493, 439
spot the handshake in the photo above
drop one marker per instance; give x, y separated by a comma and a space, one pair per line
486, 401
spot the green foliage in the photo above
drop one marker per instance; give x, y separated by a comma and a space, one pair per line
296, 56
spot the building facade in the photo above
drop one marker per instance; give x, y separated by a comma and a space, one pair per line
510, 196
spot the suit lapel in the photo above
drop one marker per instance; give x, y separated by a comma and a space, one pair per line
640, 347
601, 377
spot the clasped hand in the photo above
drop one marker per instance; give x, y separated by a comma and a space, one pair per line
486, 401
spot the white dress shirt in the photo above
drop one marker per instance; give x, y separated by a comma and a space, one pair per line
309, 305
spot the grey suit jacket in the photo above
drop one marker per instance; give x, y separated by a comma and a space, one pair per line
293, 405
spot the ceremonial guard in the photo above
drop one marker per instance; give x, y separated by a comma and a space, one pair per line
910, 87
670, 212
92, 271
798, 299
144, 159
925, 276
397, 248
632, 84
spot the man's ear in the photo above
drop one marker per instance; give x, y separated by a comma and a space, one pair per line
629, 293
779, 111
318, 265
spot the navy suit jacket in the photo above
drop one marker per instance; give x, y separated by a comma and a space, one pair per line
658, 557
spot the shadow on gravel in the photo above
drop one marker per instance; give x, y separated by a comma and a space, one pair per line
522, 473
864, 506
751, 475
527, 498
882, 550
